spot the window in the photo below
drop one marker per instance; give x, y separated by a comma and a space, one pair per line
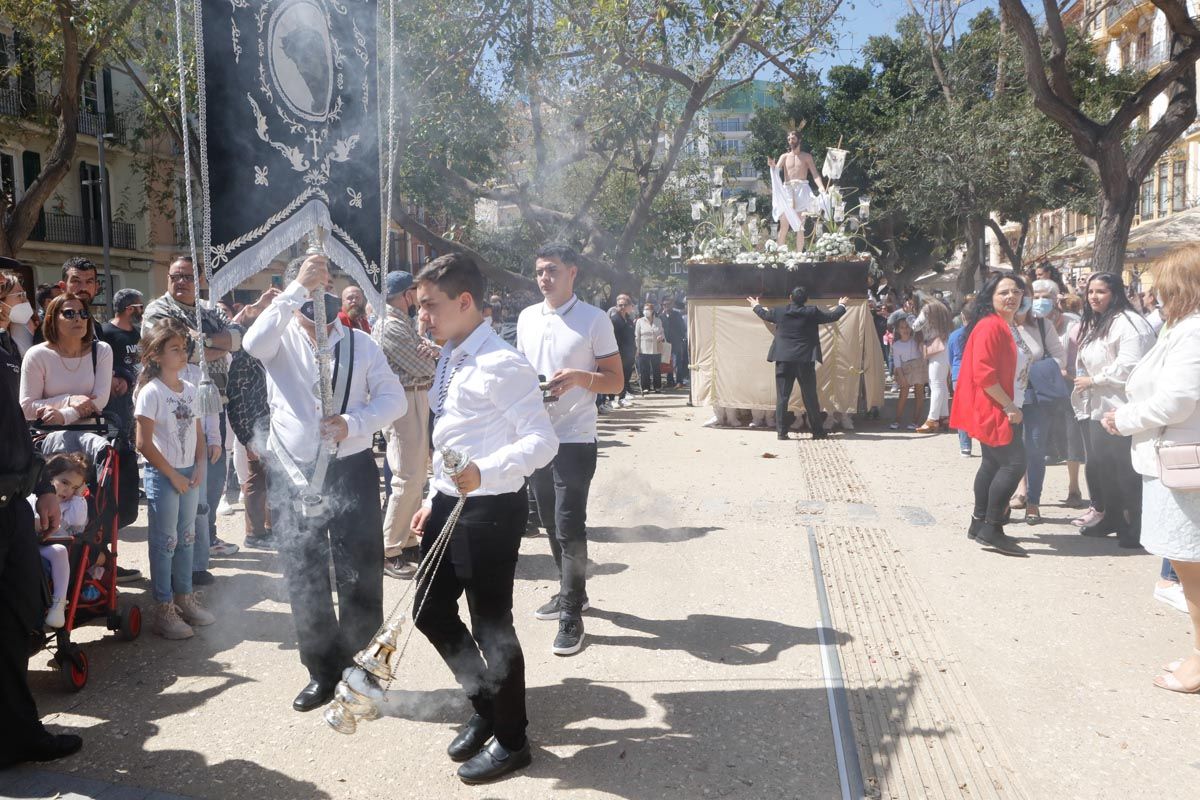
1164, 188
1179, 186
8, 177
421, 254
91, 92
730, 125
730, 146
1147, 211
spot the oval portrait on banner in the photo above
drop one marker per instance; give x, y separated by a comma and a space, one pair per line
301, 58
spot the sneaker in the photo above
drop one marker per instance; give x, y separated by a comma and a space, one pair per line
203, 577
224, 508
569, 640
260, 541
712, 423
965, 453
606, 408
756, 424
625, 402
895, 426
551, 610
168, 624
128, 575
56, 617
219, 548
1171, 595
192, 612
399, 568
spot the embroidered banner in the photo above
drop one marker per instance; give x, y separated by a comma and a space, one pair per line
288, 123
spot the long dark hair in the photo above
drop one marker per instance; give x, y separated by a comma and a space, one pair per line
155, 342
984, 301
1095, 326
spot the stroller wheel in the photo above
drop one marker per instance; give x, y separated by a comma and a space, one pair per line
130, 626
73, 669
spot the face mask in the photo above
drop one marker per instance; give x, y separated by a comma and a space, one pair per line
648, 314
21, 313
1026, 303
1042, 307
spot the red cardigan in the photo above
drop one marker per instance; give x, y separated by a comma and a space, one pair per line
989, 358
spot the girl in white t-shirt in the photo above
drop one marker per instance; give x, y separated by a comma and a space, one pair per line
910, 370
68, 474
170, 439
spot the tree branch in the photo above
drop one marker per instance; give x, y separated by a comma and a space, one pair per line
111, 28
1139, 102
1005, 245
497, 275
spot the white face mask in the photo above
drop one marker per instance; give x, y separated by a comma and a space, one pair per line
21, 313
648, 314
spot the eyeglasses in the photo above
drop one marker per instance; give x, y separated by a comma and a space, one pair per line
183, 278
135, 307
70, 313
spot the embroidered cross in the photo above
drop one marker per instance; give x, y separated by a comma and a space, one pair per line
313, 138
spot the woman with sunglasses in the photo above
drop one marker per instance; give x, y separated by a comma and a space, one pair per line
67, 378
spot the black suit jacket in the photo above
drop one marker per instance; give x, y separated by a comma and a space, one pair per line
796, 335
674, 328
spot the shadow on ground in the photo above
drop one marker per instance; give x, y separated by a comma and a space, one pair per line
649, 533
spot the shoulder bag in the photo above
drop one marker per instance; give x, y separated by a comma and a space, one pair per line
1045, 377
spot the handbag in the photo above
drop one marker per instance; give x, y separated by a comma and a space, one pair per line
1178, 465
1045, 377
934, 347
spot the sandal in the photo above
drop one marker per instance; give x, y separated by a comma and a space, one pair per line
1172, 684
1018, 501
930, 426
1177, 663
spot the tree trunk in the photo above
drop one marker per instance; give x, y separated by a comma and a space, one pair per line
1112, 229
973, 261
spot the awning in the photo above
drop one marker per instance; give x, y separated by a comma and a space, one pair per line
1150, 240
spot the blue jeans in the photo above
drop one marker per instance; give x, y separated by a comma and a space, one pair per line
1167, 573
1037, 435
964, 442
171, 534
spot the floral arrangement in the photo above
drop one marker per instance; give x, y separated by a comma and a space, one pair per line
730, 231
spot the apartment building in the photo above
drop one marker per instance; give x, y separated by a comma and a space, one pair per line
1133, 35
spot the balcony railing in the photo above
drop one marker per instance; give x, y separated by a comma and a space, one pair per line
1117, 10
12, 104
70, 229
1150, 59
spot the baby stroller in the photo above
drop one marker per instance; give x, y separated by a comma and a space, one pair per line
88, 598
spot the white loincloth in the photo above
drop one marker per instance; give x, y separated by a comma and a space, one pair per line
790, 200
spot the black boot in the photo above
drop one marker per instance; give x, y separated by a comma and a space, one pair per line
992, 536
973, 528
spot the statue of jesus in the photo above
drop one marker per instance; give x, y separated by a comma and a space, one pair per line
792, 197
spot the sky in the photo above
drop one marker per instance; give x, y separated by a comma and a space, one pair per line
861, 19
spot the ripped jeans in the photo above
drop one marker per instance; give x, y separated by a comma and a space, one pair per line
171, 534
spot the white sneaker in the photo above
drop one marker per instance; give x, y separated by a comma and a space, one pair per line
192, 612
56, 617
625, 402
224, 509
756, 424
712, 423
222, 549
606, 408
168, 624
1171, 595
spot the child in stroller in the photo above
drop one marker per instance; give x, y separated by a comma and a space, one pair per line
68, 474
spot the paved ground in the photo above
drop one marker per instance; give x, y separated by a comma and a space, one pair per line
968, 674
700, 677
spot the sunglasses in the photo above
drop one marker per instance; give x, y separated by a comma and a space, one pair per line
188, 278
72, 314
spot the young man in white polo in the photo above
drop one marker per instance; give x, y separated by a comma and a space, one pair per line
573, 345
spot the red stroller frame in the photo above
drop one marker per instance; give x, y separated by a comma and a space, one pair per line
102, 528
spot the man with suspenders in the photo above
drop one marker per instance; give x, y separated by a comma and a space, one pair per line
366, 397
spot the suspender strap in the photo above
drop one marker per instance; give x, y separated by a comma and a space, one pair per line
342, 378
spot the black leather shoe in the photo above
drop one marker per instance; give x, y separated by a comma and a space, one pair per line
781, 436
493, 762
992, 536
1101, 528
471, 739
314, 695
51, 747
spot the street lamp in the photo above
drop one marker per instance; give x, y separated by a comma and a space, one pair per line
103, 183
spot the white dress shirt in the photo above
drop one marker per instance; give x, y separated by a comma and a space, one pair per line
487, 404
573, 336
277, 340
1108, 361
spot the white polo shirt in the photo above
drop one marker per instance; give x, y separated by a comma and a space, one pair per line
573, 336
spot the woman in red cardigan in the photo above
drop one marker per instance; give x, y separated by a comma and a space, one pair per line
987, 405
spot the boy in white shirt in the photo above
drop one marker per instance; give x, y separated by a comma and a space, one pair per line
487, 406
572, 343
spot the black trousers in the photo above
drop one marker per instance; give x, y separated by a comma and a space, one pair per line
328, 641
481, 561
1000, 471
128, 482
787, 372
1119, 486
561, 488
649, 372
22, 607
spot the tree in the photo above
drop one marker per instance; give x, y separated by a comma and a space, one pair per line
62, 41
1100, 131
580, 114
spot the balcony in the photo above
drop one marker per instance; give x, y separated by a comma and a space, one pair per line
13, 104
1152, 58
1121, 14
70, 229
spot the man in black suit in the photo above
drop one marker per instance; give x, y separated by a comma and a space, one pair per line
796, 352
675, 329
